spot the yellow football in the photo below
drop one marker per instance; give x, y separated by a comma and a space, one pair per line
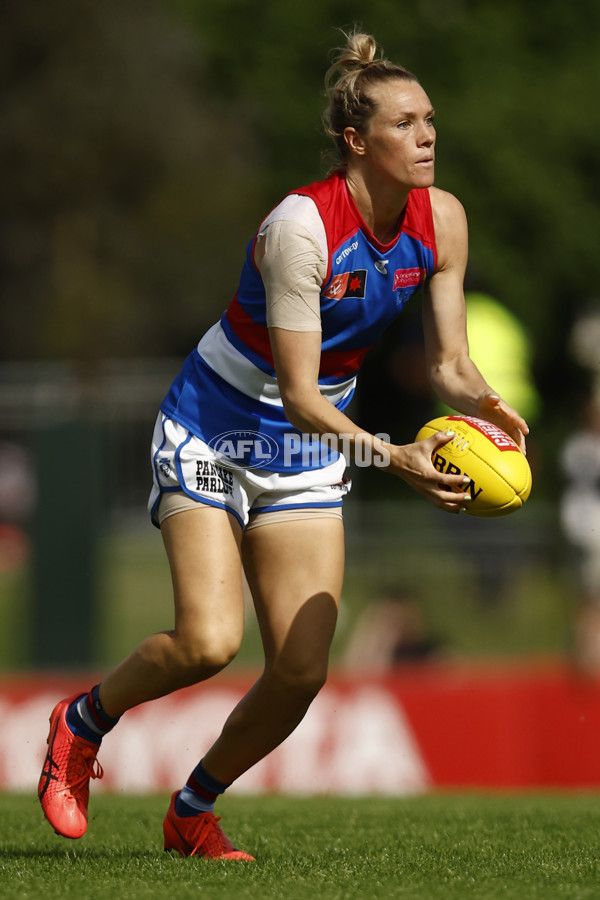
500, 476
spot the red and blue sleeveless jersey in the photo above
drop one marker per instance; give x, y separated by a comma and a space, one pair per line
229, 382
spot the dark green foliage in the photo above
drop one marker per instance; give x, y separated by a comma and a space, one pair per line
142, 142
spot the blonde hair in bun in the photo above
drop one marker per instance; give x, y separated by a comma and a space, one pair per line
355, 69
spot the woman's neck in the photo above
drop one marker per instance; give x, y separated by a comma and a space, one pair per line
380, 207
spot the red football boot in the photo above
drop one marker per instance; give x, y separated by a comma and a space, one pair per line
64, 784
199, 835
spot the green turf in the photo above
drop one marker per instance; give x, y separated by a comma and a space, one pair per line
437, 846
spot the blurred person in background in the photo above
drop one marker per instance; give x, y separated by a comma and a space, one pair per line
580, 516
390, 631
330, 267
17, 501
498, 342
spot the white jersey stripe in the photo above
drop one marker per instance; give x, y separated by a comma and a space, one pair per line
231, 365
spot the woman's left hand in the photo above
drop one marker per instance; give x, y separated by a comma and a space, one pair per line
494, 409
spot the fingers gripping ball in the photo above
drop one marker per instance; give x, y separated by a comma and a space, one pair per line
499, 472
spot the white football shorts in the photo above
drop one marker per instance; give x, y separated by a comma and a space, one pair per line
184, 463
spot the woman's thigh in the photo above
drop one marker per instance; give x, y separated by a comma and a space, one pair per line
203, 549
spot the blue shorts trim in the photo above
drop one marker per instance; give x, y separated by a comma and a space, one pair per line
280, 506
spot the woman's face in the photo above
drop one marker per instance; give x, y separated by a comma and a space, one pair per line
399, 141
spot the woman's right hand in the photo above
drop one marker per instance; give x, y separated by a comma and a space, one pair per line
413, 463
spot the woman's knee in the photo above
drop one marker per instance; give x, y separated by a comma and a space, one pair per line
303, 679
206, 653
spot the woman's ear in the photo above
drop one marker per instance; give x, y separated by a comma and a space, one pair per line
354, 141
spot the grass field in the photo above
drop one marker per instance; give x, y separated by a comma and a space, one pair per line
437, 846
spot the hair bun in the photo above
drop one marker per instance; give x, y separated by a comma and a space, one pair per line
356, 69
360, 51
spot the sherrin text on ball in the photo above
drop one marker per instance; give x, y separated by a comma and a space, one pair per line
499, 473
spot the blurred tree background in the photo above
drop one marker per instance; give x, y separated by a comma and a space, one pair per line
143, 140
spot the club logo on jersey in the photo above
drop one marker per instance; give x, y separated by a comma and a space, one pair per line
406, 278
348, 284
164, 465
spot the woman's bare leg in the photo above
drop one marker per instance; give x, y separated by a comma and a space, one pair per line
295, 573
203, 548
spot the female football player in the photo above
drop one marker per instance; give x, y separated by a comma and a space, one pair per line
247, 468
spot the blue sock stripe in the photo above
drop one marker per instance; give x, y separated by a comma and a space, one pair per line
193, 786
199, 793
189, 803
87, 719
207, 781
83, 711
78, 724
102, 718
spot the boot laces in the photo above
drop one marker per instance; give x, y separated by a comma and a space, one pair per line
211, 836
83, 766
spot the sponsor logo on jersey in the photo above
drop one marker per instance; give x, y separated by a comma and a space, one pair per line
212, 478
348, 284
405, 278
346, 252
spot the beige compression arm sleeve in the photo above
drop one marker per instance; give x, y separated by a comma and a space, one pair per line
293, 267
